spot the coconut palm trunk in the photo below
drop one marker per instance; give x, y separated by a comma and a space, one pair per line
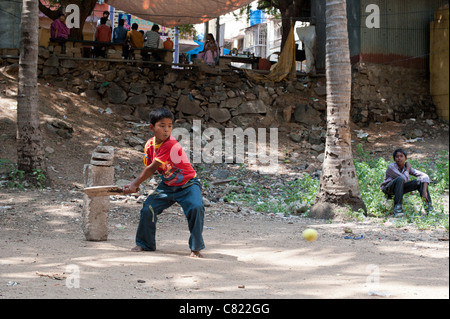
339, 185
29, 140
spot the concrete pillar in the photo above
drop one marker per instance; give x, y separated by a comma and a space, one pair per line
99, 172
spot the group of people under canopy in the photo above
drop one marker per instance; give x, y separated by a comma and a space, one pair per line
133, 38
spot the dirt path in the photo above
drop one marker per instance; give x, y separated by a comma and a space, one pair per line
43, 254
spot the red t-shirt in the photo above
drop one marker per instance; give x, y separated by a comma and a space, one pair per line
175, 169
103, 33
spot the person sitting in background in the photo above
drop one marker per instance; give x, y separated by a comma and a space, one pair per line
210, 50
152, 42
397, 182
120, 37
120, 33
152, 37
103, 34
134, 38
59, 29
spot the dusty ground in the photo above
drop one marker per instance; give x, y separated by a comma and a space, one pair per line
43, 252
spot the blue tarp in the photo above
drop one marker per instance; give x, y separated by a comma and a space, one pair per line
200, 49
256, 17
196, 50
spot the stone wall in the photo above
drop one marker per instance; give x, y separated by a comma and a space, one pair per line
380, 93
221, 99
383, 93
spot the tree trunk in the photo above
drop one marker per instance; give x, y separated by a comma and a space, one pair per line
290, 14
29, 140
339, 184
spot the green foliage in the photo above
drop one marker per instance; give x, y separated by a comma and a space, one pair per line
19, 179
298, 195
187, 31
270, 7
285, 198
370, 174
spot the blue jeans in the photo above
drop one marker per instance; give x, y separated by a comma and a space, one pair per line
189, 196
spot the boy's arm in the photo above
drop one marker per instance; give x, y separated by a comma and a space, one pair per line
393, 172
425, 179
420, 175
146, 173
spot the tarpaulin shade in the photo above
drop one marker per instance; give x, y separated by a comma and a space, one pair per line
172, 13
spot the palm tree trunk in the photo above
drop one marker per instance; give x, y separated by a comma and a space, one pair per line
339, 184
29, 140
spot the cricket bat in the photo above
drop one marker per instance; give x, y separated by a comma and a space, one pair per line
98, 191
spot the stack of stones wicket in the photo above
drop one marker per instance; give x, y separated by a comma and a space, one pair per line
99, 172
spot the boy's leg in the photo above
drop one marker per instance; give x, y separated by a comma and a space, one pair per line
191, 200
396, 188
153, 206
418, 185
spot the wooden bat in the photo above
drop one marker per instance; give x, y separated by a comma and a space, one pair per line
98, 191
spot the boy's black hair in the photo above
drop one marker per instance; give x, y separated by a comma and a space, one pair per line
159, 114
399, 150
134, 26
155, 27
103, 20
121, 21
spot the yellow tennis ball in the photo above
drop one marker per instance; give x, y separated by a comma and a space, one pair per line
310, 234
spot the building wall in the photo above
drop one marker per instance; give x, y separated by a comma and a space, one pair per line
401, 40
10, 11
403, 36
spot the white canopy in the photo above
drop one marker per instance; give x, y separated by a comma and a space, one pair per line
187, 45
172, 13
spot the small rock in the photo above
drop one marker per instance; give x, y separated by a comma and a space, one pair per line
321, 157
418, 133
221, 173
206, 202
295, 137
318, 148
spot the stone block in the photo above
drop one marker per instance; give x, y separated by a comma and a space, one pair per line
103, 156
95, 210
98, 175
306, 114
219, 115
95, 218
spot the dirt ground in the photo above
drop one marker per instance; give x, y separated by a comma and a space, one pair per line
43, 252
